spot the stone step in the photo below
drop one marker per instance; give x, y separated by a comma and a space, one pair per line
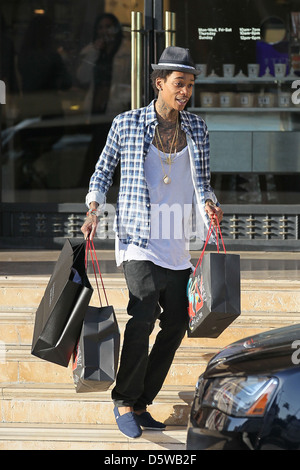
92, 437
256, 295
60, 404
16, 326
39, 406
18, 365
27, 291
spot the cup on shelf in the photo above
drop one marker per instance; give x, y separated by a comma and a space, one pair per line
284, 100
266, 100
227, 99
202, 69
208, 100
253, 70
280, 70
228, 70
246, 100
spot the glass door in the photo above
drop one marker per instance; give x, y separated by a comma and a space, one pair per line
66, 66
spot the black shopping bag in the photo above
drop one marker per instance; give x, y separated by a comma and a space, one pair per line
60, 315
95, 360
214, 292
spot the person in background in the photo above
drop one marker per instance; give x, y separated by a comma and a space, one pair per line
102, 64
42, 69
96, 62
44, 76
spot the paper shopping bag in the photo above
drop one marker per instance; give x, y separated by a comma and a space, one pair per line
95, 360
213, 294
60, 315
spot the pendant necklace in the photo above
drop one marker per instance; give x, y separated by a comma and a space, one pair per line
169, 161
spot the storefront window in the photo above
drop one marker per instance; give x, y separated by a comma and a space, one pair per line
249, 54
66, 66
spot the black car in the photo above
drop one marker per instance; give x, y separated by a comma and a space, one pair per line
248, 398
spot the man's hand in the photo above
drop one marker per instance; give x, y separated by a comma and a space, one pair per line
90, 225
211, 209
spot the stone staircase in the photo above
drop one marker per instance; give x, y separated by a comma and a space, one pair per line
39, 406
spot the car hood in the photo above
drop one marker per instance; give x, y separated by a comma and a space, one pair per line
266, 352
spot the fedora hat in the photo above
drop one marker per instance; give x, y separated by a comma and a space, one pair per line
176, 59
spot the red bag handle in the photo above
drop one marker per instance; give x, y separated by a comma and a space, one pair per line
89, 247
209, 233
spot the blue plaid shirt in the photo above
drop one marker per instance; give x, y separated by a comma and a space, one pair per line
128, 141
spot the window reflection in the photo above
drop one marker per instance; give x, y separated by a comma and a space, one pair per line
66, 66
43, 72
96, 75
67, 71
249, 53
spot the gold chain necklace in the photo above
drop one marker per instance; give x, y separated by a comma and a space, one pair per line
169, 161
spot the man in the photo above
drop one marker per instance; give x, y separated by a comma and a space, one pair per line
164, 156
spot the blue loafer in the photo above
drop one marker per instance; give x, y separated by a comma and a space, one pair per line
146, 421
127, 424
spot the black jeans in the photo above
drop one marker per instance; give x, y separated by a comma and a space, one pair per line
154, 292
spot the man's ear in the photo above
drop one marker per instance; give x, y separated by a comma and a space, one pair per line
159, 83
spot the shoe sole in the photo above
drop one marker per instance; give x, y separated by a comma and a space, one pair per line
129, 437
152, 429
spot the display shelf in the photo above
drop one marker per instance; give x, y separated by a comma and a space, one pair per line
245, 80
243, 110
237, 83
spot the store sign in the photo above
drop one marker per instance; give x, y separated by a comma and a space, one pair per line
210, 33
2, 92
246, 34
250, 34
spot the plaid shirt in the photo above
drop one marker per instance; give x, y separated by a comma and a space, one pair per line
128, 141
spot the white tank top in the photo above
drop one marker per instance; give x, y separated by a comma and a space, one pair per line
171, 206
